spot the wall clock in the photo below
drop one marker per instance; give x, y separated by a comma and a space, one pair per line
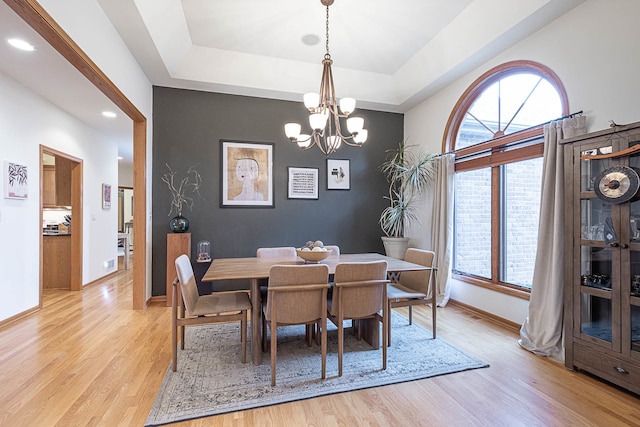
617, 184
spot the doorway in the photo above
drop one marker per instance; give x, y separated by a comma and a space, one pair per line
61, 219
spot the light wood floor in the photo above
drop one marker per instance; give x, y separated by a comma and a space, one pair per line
88, 359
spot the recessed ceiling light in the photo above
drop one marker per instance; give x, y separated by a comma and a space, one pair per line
109, 114
311, 39
120, 157
21, 44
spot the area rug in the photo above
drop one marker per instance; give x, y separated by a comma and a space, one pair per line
212, 380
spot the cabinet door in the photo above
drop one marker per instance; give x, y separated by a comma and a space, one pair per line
63, 181
630, 288
596, 305
48, 185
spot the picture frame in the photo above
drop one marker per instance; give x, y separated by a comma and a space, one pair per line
106, 196
15, 179
338, 175
247, 174
302, 183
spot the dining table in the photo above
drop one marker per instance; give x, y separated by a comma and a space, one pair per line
254, 269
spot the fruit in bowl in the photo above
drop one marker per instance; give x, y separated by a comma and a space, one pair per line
313, 251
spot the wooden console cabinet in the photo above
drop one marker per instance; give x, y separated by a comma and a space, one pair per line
177, 244
602, 257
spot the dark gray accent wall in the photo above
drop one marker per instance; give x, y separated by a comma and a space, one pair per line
188, 127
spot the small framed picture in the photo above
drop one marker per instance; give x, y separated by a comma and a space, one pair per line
338, 176
303, 183
106, 196
15, 181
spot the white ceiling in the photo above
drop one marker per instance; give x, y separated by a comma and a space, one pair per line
388, 55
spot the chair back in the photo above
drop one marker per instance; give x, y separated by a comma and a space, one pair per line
335, 250
188, 286
360, 287
277, 252
418, 281
297, 305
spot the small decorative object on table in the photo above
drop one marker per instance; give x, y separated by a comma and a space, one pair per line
313, 252
204, 251
192, 180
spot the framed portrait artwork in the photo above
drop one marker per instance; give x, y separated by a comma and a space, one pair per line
302, 183
106, 196
15, 181
338, 176
247, 174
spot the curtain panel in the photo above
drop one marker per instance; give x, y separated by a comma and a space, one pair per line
541, 332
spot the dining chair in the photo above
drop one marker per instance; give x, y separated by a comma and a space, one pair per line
297, 296
335, 250
201, 309
359, 292
273, 252
414, 287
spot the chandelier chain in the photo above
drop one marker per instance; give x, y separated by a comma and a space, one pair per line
327, 55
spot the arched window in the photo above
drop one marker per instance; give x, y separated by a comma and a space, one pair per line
496, 132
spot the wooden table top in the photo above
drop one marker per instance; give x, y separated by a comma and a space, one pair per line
258, 268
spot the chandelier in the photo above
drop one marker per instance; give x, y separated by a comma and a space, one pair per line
325, 113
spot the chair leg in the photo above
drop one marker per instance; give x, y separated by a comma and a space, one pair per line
340, 345
410, 314
274, 348
243, 335
174, 333
385, 331
322, 328
264, 334
389, 329
308, 334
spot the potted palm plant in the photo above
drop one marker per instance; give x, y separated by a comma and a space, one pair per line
409, 173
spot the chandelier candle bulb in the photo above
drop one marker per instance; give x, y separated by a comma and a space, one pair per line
347, 105
304, 141
292, 130
355, 124
311, 101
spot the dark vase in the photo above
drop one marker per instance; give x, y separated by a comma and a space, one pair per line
179, 224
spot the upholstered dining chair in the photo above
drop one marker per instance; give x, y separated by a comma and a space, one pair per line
202, 309
359, 292
297, 296
273, 252
413, 287
335, 250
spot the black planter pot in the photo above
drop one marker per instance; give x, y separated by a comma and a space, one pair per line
179, 224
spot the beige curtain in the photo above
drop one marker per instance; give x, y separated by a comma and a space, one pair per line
541, 332
442, 225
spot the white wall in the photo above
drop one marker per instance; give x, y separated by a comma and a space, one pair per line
88, 26
20, 225
593, 51
27, 120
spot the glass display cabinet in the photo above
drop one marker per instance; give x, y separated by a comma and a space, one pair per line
602, 266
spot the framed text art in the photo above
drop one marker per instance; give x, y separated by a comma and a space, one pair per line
15, 181
338, 176
106, 196
303, 183
247, 174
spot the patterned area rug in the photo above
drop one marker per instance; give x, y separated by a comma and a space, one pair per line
211, 379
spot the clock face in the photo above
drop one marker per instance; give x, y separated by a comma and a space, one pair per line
617, 184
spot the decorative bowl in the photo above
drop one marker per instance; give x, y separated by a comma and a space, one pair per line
313, 256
